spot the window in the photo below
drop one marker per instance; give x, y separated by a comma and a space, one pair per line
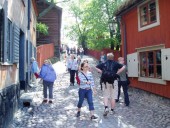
9, 42
148, 15
1, 34
150, 64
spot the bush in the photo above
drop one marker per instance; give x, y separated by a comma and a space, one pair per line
42, 28
54, 60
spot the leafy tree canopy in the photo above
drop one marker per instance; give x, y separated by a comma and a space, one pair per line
91, 26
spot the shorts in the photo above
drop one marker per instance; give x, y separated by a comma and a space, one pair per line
109, 91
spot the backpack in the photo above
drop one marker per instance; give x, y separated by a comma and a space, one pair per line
108, 74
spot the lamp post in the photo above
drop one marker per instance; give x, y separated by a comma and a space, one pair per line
112, 31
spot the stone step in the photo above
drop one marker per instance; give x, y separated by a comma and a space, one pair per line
27, 98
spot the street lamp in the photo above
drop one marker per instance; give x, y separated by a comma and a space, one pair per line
112, 31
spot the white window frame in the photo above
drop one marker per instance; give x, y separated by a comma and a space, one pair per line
145, 79
140, 28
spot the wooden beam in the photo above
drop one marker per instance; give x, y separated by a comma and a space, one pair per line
44, 12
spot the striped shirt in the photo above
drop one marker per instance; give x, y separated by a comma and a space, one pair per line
83, 80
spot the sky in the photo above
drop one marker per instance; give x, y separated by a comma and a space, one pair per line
67, 20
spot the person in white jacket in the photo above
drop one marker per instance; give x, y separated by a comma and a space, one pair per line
72, 68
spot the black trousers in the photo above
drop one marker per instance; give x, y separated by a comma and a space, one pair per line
124, 85
72, 76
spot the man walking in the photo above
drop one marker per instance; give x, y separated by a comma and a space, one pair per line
110, 70
123, 82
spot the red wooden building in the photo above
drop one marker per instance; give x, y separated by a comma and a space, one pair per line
145, 32
51, 15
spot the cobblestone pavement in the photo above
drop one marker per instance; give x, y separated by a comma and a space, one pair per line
143, 112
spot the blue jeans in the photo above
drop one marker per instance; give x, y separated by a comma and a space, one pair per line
83, 93
48, 85
125, 91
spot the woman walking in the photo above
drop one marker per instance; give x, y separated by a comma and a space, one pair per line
49, 76
72, 68
85, 89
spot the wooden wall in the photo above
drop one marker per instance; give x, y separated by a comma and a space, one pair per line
96, 53
153, 36
8, 75
53, 20
44, 52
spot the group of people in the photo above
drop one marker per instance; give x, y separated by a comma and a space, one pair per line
79, 51
113, 77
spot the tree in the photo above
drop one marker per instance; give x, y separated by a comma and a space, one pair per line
92, 19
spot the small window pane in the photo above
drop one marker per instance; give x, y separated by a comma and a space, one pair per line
158, 57
152, 12
151, 71
159, 71
143, 64
150, 58
151, 65
144, 18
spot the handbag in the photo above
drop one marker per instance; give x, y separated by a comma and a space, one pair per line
77, 79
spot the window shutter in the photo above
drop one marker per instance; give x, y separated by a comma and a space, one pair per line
132, 64
165, 64
16, 35
5, 32
1, 35
35, 52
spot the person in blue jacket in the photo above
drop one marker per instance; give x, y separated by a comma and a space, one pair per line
34, 70
48, 75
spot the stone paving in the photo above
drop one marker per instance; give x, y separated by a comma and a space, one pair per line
143, 112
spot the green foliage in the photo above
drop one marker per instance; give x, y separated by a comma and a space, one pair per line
42, 28
99, 44
92, 19
54, 60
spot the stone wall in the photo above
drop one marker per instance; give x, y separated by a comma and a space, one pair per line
8, 104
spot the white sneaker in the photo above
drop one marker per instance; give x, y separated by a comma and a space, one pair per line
106, 111
112, 112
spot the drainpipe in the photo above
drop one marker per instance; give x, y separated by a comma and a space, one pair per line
119, 18
28, 43
125, 42
29, 12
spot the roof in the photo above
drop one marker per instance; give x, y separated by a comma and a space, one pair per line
126, 5
49, 3
35, 7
